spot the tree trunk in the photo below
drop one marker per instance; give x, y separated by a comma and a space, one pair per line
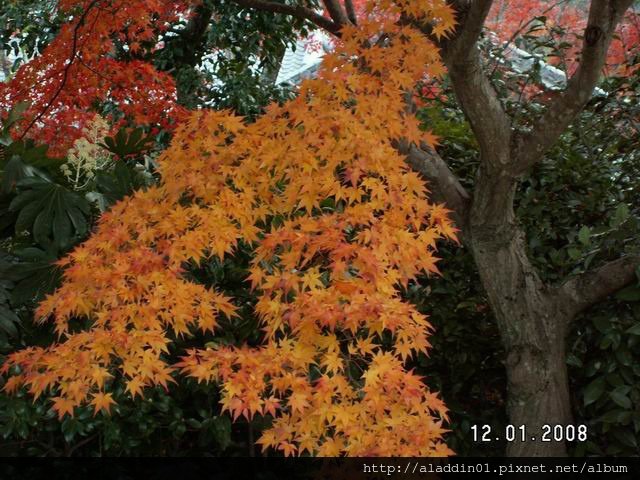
272, 68
191, 43
5, 66
532, 326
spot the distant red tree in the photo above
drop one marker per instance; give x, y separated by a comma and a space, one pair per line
79, 70
518, 18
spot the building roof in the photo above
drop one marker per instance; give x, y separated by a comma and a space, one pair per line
303, 63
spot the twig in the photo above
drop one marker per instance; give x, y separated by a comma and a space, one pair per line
65, 74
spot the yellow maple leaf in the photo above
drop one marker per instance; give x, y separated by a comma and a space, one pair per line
102, 402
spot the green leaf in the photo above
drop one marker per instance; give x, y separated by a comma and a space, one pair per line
584, 235
53, 214
620, 216
22, 200
26, 159
619, 396
222, 431
78, 220
34, 275
626, 437
634, 330
574, 361
62, 228
42, 226
26, 217
629, 294
613, 416
124, 144
193, 423
115, 185
8, 321
594, 391
7, 218
12, 171
624, 356
603, 324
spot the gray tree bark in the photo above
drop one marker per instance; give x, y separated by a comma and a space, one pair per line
532, 327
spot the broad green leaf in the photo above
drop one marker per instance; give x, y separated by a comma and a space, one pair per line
584, 235
629, 294
594, 391
8, 321
634, 330
626, 436
12, 171
620, 216
619, 396
33, 275
125, 144
52, 213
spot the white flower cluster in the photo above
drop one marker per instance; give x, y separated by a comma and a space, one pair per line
87, 157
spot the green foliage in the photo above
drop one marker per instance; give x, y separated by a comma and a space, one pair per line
30, 274
117, 183
179, 422
125, 144
234, 62
55, 215
588, 214
9, 321
465, 363
606, 379
36, 22
595, 165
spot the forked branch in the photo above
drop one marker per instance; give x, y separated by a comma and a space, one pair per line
584, 290
297, 11
604, 16
479, 100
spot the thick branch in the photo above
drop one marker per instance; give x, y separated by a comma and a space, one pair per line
478, 98
351, 11
442, 182
444, 185
471, 15
604, 16
190, 44
297, 11
193, 35
582, 291
336, 12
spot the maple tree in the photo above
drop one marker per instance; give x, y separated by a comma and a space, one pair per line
533, 313
78, 69
564, 22
338, 221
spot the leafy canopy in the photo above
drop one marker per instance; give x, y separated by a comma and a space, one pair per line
338, 223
